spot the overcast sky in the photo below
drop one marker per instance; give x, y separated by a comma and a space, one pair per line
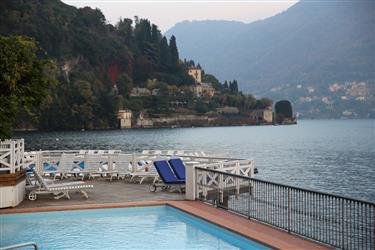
166, 13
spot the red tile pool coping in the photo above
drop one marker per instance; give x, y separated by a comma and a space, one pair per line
253, 230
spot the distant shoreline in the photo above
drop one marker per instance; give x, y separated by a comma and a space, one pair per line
24, 130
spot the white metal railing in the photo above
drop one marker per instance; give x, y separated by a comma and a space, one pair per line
211, 180
231, 165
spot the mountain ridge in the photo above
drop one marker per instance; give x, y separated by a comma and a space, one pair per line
269, 37
311, 44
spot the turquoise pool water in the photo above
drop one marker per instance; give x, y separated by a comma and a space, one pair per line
157, 227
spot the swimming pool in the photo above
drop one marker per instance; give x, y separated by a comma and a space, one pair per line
156, 227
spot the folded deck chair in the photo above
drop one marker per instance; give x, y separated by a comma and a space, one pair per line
167, 176
57, 190
178, 168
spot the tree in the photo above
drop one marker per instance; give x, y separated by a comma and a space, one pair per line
283, 110
143, 69
249, 102
225, 85
125, 30
212, 79
124, 85
155, 34
24, 80
173, 52
201, 107
165, 55
263, 103
233, 86
82, 109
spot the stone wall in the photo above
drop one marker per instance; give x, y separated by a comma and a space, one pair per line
190, 121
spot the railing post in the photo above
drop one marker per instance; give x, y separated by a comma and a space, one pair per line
190, 193
220, 188
342, 224
12, 157
248, 204
289, 210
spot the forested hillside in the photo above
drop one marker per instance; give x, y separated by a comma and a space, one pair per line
97, 63
300, 53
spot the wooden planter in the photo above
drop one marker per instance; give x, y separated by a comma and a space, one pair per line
12, 174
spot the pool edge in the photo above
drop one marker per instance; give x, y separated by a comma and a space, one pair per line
82, 207
268, 236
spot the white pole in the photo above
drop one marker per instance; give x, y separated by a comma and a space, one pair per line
190, 192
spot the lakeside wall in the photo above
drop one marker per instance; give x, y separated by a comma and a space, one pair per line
193, 121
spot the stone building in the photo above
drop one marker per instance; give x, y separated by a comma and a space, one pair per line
200, 88
124, 118
196, 73
261, 116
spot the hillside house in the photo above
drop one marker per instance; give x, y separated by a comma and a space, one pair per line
259, 116
140, 92
200, 88
124, 118
196, 73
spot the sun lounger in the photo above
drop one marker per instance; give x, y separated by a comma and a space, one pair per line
143, 174
178, 168
121, 166
67, 165
168, 178
57, 190
93, 165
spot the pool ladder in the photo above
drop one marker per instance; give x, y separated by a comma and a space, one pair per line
21, 245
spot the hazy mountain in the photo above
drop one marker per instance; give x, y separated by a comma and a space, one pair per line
312, 44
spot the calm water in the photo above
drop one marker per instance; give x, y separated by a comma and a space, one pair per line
121, 228
336, 156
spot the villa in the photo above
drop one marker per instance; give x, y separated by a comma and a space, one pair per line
200, 88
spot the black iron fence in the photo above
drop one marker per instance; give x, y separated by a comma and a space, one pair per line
331, 219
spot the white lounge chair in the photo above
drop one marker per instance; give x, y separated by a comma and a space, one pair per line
121, 166
143, 174
67, 165
93, 165
57, 190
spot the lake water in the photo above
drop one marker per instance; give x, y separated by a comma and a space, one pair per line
336, 156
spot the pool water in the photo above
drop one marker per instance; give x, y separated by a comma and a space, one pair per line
156, 227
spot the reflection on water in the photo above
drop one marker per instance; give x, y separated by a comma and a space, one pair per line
329, 155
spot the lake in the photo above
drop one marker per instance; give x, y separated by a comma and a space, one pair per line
335, 156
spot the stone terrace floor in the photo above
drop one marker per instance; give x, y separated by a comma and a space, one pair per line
104, 191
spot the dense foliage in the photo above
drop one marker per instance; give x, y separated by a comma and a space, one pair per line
92, 57
99, 64
24, 80
283, 110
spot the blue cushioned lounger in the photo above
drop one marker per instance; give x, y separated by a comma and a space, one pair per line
178, 167
167, 176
